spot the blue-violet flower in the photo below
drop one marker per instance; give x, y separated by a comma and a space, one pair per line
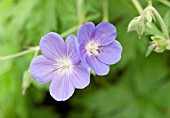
98, 47
60, 64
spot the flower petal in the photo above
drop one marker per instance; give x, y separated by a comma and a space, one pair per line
97, 66
42, 69
72, 49
84, 33
83, 53
80, 76
111, 53
104, 33
61, 88
52, 46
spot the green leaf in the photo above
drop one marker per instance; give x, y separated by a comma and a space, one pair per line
152, 29
167, 20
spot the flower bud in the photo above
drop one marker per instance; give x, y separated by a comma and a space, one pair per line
148, 17
26, 81
150, 49
168, 46
140, 27
133, 24
161, 43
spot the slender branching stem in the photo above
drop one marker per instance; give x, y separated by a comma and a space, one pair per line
19, 53
105, 11
155, 12
69, 31
162, 23
80, 11
165, 2
138, 6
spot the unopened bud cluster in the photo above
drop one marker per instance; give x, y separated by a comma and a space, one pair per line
158, 43
138, 24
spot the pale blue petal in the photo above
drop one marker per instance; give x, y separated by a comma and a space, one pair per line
42, 69
80, 76
53, 46
72, 49
84, 33
111, 53
61, 88
97, 66
104, 33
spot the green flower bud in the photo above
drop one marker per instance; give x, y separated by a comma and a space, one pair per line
168, 46
26, 81
150, 49
161, 43
148, 17
140, 27
133, 24
157, 38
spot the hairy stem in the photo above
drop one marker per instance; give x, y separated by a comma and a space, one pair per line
80, 11
163, 26
105, 11
69, 31
138, 6
19, 53
165, 2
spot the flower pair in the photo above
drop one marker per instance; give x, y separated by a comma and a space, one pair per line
67, 64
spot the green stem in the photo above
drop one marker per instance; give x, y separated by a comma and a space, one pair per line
19, 54
165, 2
69, 31
163, 26
138, 6
105, 11
80, 11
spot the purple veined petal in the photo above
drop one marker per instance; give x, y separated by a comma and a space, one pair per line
61, 87
83, 53
111, 53
42, 69
104, 33
84, 33
72, 49
52, 46
97, 66
80, 76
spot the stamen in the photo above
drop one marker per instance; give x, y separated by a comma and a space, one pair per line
93, 48
63, 65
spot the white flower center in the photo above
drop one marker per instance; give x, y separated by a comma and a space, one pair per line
92, 48
64, 65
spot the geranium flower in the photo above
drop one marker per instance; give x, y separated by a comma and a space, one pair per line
98, 47
60, 64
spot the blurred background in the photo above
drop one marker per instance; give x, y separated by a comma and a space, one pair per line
136, 87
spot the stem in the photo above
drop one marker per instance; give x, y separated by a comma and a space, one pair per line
138, 6
19, 54
36, 51
163, 26
36, 48
165, 2
69, 31
80, 11
105, 11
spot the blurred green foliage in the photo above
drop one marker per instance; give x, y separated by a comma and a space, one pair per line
136, 87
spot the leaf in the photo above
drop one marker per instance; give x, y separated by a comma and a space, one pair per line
152, 29
167, 20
